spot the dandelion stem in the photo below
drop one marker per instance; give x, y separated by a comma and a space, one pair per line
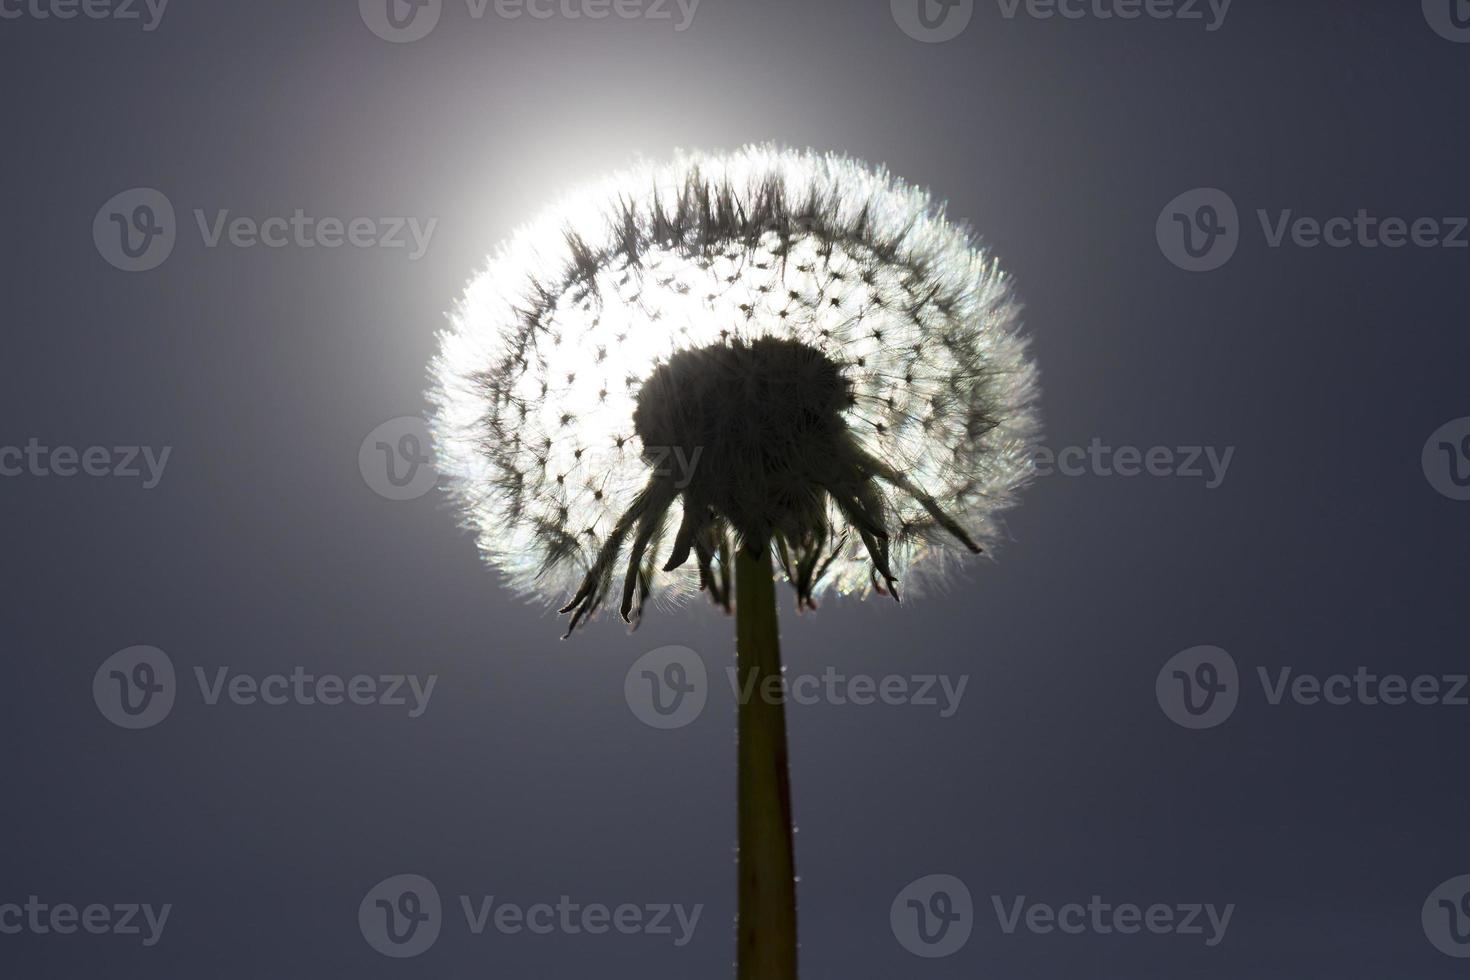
766, 944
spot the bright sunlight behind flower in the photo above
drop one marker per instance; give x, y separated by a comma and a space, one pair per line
725, 351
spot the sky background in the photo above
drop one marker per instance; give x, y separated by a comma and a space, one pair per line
263, 547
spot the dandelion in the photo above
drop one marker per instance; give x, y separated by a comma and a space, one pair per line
690, 376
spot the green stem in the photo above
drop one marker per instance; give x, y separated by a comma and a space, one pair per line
766, 944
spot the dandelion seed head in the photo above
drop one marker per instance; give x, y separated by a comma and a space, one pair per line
769, 345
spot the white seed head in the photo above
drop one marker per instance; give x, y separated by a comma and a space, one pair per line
724, 351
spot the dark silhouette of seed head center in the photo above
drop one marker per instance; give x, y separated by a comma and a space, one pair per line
762, 425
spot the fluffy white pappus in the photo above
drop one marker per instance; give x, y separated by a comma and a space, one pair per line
755, 288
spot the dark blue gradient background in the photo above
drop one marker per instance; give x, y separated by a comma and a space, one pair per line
528, 777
